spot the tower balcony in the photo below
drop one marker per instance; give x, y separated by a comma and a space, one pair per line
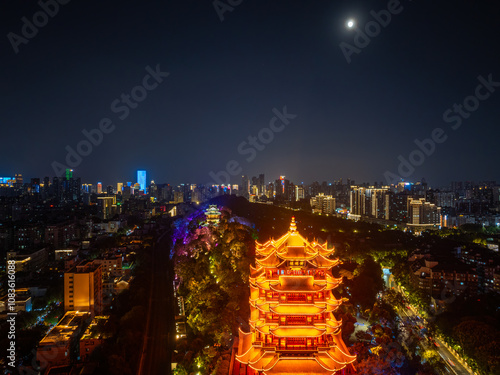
305, 346
272, 319
290, 271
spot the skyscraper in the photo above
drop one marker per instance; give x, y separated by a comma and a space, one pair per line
262, 184
83, 288
369, 202
141, 179
421, 212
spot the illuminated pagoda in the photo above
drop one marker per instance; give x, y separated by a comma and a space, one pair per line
212, 214
292, 326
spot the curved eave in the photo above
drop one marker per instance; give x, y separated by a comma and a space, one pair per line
327, 284
299, 365
261, 326
339, 355
266, 362
321, 261
265, 251
330, 325
266, 262
255, 272
329, 278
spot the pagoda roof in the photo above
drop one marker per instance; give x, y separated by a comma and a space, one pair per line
297, 365
296, 253
320, 261
296, 283
332, 362
265, 249
255, 315
254, 293
270, 261
267, 360
260, 304
327, 360
256, 272
293, 246
297, 331
244, 346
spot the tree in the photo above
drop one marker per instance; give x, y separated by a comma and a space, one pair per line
367, 283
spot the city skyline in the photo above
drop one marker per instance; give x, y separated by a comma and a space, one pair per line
207, 90
237, 180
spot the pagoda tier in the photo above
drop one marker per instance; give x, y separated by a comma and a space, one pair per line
292, 326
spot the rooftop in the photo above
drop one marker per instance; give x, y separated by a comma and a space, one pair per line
66, 328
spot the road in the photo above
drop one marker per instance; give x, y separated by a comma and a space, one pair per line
160, 325
453, 364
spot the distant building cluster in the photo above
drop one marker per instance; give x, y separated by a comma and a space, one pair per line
31, 210
417, 205
463, 272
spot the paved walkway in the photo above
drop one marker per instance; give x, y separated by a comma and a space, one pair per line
360, 325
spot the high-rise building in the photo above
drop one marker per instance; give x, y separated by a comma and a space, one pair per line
178, 197
262, 184
107, 207
421, 212
323, 204
83, 288
299, 192
245, 186
128, 191
141, 180
445, 199
370, 202
293, 329
35, 185
398, 206
87, 188
99, 188
119, 187
19, 179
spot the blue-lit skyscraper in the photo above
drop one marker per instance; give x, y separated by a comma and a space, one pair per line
141, 179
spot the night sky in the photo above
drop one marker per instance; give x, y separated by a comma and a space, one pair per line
225, 78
